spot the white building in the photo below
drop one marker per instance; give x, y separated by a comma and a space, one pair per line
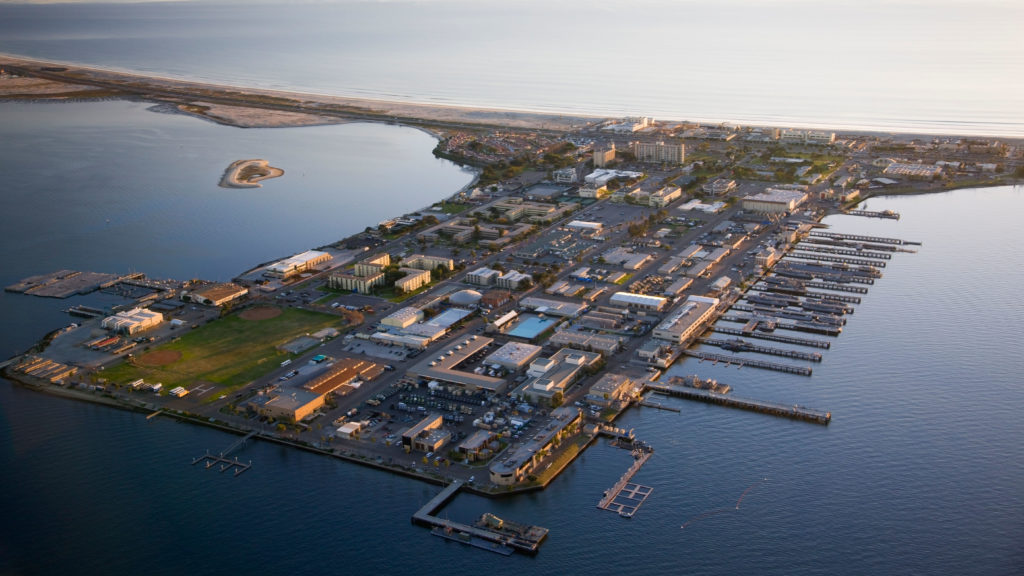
483, 276
774, 201
639, 301
686, 321
297, 264
132, 321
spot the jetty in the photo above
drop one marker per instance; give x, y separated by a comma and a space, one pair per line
626, 497
793, 411
838, 259
489, 528
222, 459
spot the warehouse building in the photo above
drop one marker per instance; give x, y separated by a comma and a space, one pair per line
774, 201
639, 301
687, 321
514, 355
565, 421
297, 264
216, 294
132, 321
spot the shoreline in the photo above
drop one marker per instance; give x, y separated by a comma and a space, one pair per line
331, 109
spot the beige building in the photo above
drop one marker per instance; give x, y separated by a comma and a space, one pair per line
774, 201
687, 321
297, 264
218, 294
604, 156
366, 275
426, 435
659, 152
609, 389
665, 196
423, 262
413, 279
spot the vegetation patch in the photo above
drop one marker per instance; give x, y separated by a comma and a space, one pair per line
229, 352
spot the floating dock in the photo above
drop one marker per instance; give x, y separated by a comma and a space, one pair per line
519, 537
837, 287
625, 497
889, 214
221, 459
753, 363
795, 412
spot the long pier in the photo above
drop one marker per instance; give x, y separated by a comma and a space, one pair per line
837, 287
859, 238
828, 249
522, 538
824, 344
738, 345
794, 411
812, 327
838, 259
754, 363
626, 497
804, 292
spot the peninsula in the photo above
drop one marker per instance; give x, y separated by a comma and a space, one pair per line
483, 342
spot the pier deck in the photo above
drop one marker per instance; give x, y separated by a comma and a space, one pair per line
737, 345
824, 344
625, 497
526, 540
753, 363
787, 411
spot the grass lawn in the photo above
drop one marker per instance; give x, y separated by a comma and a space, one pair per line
229, 352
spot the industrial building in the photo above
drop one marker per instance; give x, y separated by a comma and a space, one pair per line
606, 344
565, 421
626, 258
426, 435
554, 375
216, 294
552, 307
444, 367
403, 317
132, 321
687, 321
514, 356
659, 152
774, 201
610, 389
297, 264
913, 171
643, 302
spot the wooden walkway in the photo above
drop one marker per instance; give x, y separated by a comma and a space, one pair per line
625, 497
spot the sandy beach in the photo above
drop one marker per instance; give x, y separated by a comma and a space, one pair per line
254, 107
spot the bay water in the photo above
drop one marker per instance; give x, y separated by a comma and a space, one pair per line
920, 472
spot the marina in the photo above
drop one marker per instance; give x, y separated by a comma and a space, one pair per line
795, 412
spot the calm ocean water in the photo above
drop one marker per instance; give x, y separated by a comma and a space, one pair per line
944, 66
920, 472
